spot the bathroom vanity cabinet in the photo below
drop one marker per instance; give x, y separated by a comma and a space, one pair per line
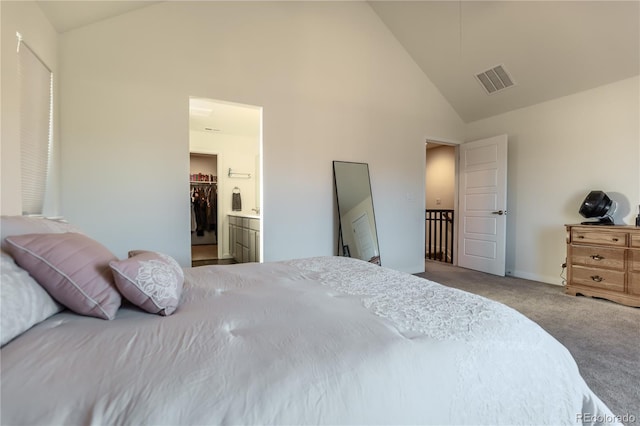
244, 238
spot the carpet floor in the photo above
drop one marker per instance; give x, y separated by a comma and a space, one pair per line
602, 336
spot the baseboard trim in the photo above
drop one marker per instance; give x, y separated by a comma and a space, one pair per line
535, 277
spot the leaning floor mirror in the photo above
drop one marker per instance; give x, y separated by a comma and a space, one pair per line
357, 235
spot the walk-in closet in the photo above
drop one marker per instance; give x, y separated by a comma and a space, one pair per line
203, 177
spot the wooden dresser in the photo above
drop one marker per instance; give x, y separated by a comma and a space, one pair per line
604, 261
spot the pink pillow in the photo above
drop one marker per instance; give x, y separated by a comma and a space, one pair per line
73, 268
150, 280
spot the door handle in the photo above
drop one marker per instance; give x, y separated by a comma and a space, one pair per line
499, 212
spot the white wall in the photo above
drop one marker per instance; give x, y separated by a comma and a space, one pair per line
333, 83
27, 19
559, 151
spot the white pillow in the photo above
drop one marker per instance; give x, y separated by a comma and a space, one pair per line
23, 302
20, 225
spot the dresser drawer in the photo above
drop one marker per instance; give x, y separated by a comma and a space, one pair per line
599, 237
598, 278
634, 260
601, 257
635, 239
634, 283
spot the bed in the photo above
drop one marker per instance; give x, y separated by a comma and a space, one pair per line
325, 340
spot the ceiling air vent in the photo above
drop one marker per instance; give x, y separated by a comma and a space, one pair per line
495, 79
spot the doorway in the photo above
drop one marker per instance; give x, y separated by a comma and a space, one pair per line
440, 201
225, 149
203, 183
472, 179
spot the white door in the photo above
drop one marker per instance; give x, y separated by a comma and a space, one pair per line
363, 237
483, 205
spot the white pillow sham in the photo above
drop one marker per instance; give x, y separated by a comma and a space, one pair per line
20, 225
23, 302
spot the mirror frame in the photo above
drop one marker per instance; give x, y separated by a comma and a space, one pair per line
342, 247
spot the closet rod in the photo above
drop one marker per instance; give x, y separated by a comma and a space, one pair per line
202, 182
233, 174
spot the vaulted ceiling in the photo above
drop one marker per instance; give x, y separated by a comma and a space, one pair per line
550, 49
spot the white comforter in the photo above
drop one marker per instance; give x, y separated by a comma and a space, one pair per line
322, 340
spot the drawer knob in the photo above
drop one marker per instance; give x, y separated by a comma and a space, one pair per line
581, 237
597, 278
597, 257
614, 239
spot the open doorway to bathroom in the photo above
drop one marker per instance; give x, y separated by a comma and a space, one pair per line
440, 202
225, 150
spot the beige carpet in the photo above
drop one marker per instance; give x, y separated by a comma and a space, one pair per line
602, 336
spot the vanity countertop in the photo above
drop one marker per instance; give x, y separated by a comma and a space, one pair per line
243, 214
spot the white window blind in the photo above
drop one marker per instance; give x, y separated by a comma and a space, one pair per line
36, 126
